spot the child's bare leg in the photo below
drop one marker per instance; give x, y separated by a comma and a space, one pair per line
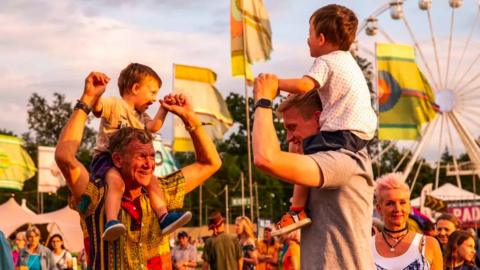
299, 199
157, 200
113, 198
115, 191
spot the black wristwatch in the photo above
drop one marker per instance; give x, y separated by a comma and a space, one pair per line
264, 103
82, 106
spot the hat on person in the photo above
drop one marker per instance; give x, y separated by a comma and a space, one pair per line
182, 234
214, 220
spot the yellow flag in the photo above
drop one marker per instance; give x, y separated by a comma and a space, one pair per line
406, 100
251, 36
16, 166
197, 83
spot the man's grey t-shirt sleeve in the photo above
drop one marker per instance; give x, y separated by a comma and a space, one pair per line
336, 167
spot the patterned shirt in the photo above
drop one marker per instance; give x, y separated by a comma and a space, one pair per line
143, 246
344, 93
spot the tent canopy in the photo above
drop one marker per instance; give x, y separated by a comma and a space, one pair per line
448, 192
65, 222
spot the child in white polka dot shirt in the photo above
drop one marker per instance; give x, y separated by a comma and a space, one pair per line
347, 120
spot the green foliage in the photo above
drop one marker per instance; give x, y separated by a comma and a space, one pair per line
45, 123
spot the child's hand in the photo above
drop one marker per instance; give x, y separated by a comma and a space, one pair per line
265, 86
95, 84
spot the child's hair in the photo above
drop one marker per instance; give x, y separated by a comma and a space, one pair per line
135, 73
337, 23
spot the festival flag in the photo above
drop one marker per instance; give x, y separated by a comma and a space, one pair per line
50, 178
165, 163
251, 36
16, 166
197, 83
405, 98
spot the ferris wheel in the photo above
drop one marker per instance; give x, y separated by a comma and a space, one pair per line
447, 44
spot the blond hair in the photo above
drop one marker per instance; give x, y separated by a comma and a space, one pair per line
247, 226
390, 181
307, 104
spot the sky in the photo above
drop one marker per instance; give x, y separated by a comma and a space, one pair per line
50, 46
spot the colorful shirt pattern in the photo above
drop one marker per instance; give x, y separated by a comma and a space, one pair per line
143, 246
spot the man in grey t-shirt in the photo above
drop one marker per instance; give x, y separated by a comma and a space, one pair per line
340, 200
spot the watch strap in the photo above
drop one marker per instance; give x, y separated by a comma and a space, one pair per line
82, 106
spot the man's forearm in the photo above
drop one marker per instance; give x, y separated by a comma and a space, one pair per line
69, 143
265, 141
207, 158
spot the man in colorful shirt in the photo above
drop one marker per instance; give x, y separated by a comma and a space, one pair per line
143, 246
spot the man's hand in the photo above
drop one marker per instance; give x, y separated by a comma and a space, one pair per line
177, 104
95, 85
265, 86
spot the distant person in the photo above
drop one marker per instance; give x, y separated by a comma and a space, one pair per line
184, 254
348, 121
446, 224
6, 260
20, 242
221, 251
460, 251
246, 237
396, 246
291, 258
138, 85
267, 251
61, 256
34, 255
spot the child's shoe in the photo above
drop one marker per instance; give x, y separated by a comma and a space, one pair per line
113, 230
174, 220
291, 221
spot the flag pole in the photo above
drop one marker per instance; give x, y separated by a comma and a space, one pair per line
247, 113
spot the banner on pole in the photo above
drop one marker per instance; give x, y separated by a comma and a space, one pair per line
16, 166
251, 36
197, 83
50, 178
406, 100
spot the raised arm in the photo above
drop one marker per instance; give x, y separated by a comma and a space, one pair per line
76, 175
291, 167
207, 158
156, 123
298, 85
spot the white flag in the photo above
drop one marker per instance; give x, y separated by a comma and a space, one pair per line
50, 177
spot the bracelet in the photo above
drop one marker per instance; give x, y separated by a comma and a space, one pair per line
82, 106
192, 129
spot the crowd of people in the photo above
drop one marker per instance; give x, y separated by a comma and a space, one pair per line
127, 213
27, 252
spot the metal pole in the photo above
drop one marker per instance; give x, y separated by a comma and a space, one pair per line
418, 150
256, 200
247, 115
200, 201
242, 182
226, 207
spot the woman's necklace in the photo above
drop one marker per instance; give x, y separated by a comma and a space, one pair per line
396, 239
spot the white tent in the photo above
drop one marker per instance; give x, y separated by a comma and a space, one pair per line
14, 216
65, 222
448, 192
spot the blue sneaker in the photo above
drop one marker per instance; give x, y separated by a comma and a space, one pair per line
174, 220
113, 230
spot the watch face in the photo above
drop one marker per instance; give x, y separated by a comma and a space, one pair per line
264, 103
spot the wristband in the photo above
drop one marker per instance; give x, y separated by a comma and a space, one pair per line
192, 129
82, 106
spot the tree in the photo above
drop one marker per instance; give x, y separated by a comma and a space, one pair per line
45, 122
